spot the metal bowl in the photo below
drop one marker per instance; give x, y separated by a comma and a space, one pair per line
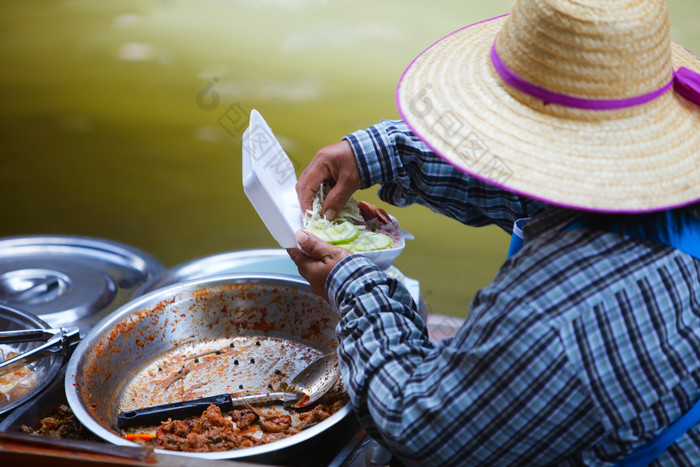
101, 374
45, 369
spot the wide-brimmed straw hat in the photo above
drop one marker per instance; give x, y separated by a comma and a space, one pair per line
585, 104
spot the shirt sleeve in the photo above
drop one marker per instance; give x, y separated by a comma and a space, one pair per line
409, 172
498, 393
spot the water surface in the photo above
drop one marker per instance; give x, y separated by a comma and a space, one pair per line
122, 119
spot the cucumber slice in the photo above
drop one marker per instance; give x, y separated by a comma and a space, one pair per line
368, 241
337, 234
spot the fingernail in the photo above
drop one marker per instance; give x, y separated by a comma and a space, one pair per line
330, 213
301, 236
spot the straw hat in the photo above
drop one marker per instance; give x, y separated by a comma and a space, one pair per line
585, 104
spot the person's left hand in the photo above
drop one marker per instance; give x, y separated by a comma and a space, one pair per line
316, 259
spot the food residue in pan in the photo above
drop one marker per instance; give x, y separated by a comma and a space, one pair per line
253, 364
239, 365
17, 383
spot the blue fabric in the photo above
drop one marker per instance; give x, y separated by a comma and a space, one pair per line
517, 240
680, 232
683, 233
677, 230
583, 347
644, 455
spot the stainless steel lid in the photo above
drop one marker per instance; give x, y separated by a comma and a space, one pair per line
273, 261
265, 261
18, 387
69, 280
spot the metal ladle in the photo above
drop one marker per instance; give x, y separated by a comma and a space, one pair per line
309, 385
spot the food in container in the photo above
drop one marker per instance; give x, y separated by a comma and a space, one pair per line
269, 181
22, 384
17, 383
245, 427
358, 227
62, 424
246, 364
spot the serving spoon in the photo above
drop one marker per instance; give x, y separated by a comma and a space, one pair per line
309, 385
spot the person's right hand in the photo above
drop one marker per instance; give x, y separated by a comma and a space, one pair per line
335, 165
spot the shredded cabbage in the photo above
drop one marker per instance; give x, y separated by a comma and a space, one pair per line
314, 220
348, 228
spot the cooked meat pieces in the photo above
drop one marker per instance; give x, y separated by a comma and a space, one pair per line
276, 423
63, 424
244, 428
244, 419
210, 432
319, 413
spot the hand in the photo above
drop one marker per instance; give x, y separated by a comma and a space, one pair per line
336, 165
316, 259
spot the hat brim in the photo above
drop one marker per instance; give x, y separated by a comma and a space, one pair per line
639, 159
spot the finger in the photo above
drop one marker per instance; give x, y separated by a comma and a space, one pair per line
311, 245
308, 183
338, 196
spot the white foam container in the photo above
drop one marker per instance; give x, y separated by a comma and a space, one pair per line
269, 182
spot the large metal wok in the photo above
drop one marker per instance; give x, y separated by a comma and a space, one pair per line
272, 325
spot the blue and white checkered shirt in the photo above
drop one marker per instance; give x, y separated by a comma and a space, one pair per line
585, 345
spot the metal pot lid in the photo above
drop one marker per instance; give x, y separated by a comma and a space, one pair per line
70, 280
18, 387
266, 261
273, 261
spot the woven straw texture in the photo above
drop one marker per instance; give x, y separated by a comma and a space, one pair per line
638, 159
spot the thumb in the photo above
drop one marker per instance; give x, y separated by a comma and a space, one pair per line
313, 246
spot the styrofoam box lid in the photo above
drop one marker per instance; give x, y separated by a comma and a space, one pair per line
269, 182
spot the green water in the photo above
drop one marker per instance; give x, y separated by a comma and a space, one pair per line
119, 119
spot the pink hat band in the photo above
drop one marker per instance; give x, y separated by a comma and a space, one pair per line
684, 81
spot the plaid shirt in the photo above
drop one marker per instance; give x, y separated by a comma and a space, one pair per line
585, 345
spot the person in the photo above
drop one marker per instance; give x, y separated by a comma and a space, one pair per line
584, 117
